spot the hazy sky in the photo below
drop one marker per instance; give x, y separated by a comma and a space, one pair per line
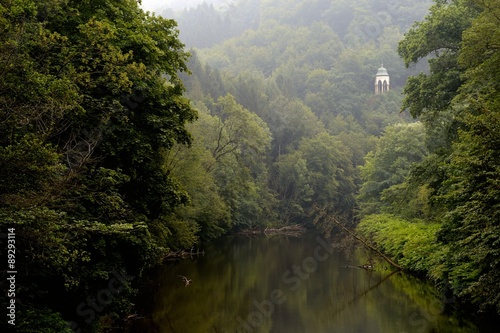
153, 4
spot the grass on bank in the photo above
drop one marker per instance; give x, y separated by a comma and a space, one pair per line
411, 243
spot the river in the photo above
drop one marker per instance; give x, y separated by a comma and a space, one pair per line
281, 284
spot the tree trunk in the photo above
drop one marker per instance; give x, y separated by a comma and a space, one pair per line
323, 214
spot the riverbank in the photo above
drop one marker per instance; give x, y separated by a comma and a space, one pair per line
411, 243
414, 246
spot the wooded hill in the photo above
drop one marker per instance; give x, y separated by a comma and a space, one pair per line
439, 173
310, 80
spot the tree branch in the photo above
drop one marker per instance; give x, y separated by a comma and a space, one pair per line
323, 214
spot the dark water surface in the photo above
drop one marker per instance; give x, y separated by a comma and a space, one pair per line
281, 284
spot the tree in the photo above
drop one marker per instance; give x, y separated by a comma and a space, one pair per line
470, 192
439, 35
318, 173
239, 144
290, 121
332, 174
90, 97
386, 172
292, 184
471, 226
224, 171
459, 104
207, 214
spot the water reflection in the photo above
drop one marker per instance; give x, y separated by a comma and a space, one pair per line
291, 285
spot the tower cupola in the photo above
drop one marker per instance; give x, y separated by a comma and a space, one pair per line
382, 83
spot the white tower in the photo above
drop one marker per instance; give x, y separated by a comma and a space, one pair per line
382, 84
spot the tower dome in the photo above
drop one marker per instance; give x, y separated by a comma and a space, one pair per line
382, 81
382, 71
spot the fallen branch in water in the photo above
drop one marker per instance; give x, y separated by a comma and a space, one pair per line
182, 254
323, 214
287, 230
366, 267
250, 232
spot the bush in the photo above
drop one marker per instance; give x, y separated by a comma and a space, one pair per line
42, 321
411, 243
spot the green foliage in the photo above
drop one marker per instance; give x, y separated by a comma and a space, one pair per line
411, 243
292, 185
100, 168
459, 103
205, 26
242, 139
194, 167
331, 174
309, 78
223, 171
440, 35
318, 173
27, 170
290, 121
472, 197
386, 172
90, 97
45, 321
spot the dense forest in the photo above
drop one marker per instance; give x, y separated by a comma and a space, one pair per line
126, 135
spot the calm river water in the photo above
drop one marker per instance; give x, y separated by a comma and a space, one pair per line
283, 284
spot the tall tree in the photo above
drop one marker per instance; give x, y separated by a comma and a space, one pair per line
385, 174
459, 104
438, 37
89, 98
471, 193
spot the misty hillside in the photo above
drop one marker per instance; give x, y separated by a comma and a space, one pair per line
290, 39
209, 23
175, 5
325, 53
306, 70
